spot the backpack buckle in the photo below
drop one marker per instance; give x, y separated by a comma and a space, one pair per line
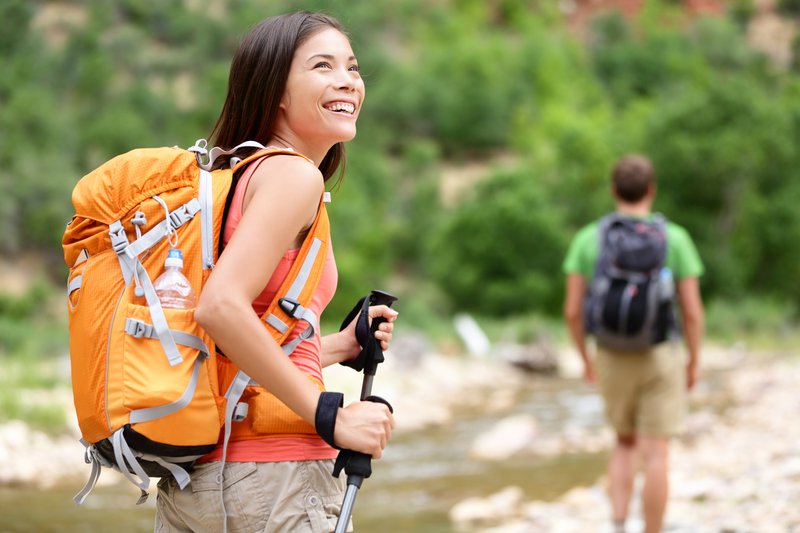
184, 213
138, 329
119, 239
289, 305
240, 411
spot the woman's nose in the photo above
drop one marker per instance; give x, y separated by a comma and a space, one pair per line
346, 79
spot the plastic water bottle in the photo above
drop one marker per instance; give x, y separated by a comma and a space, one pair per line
172, 288
667, 284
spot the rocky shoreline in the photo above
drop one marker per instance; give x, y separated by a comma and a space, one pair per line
735, 470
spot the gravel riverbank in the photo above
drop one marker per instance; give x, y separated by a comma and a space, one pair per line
735, 470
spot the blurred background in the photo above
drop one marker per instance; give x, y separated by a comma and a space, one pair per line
485, 142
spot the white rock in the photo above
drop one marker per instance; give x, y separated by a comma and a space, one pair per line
507, 438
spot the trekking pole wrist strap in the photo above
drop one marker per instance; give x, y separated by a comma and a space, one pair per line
378, 399
325, 416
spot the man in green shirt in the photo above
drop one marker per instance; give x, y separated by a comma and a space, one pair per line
644, 392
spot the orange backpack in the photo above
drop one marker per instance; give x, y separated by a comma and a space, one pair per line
145, 379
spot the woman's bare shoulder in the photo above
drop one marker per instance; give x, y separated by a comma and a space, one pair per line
287, 177
289, 167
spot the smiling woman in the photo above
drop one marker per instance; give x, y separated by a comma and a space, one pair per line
323, 94
294, 87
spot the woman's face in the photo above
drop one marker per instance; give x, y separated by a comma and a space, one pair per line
324, 93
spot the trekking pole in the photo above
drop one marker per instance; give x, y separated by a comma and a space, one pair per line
357, 465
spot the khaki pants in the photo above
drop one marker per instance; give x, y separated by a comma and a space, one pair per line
644, 393
296, 496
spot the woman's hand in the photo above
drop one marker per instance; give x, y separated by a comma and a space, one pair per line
364, 427
343, 346
384, 331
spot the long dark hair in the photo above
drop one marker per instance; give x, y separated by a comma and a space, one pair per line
257, 81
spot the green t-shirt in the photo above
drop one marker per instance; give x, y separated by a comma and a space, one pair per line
682, 257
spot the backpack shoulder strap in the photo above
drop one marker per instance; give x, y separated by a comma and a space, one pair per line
660, 222
604, 224
266, 152
603, 227
291, 302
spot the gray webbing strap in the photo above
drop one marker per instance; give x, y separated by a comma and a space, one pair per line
181, 476
206, 218
305, 270
212, 154
159, 320
74, 284
97, 461
139, 329
152, 413
289, 302
290, 346
276, 323
304, 313
124, 455
232, 396
119, 242
176, 219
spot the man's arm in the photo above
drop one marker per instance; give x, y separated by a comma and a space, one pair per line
573, 315
693, 323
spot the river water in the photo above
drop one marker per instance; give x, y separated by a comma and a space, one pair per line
421, 476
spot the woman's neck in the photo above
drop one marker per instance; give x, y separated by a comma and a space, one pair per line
313, 153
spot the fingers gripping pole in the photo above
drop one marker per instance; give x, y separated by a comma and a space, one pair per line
358, 466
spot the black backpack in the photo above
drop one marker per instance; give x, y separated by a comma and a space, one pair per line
629, 306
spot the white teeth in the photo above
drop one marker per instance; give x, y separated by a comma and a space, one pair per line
342, 106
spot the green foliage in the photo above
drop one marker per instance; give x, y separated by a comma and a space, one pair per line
28, 327
500, 251
763, 321
15, 16
25, 306
789, 7
447, 81
727, 202
27, 390
742, 11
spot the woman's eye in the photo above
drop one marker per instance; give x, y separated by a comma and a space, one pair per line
322, 64
354, 68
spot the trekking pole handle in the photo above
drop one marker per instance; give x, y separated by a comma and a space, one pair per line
375, 297
357, 465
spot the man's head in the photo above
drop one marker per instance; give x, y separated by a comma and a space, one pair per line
633, 179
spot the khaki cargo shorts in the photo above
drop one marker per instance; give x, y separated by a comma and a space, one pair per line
644, 393
296, 496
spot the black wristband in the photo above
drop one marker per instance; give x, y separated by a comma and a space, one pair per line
325, 417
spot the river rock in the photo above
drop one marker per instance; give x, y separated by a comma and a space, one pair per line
539, 357
473, 511
507, 438
30, 457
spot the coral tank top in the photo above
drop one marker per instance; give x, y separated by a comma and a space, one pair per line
306, 356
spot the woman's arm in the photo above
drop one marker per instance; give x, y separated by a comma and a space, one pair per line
281, 201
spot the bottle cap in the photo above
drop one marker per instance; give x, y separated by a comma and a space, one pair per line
174, 258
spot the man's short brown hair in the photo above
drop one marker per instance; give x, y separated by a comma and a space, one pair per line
632, 177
